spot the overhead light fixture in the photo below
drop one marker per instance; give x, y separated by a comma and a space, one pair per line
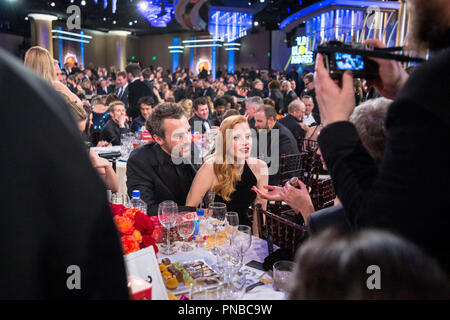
229, 25
70, 39
119, 32
176, 47
83, 3
232, 44
52, 4
72, 34
203, 45
176, 51
155, 14
232, 49
256, 23
40, 16
201, 40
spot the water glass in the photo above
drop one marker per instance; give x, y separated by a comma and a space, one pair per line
206, 289
217, 211
232, 222
242, 242
234, 286
168, 216
185, 227
282, 274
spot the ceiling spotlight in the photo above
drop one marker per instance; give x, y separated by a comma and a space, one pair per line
262, 1
104, 19
26, 18
52, 4
135, 21
130, 23
114, 22
83, 3
256, 23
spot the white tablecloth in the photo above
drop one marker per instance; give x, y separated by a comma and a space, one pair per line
258, 251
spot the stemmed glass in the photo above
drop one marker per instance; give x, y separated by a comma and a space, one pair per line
167, 214
185, 226
232, 222
242, 242
217, 211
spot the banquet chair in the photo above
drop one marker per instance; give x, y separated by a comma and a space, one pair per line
323, 194
291, 166
283, 232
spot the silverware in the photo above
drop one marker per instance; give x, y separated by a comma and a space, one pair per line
250, 287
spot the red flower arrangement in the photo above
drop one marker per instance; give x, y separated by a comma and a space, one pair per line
135, 228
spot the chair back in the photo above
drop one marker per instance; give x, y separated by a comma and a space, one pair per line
284, 233
291, 165
323, 194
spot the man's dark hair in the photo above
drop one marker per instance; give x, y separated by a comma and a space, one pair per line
229, 100
274, 84
269, 111
220, 102
122, 74
146, 73
134, 69
309, 77
146, 100
167, 110
199, 102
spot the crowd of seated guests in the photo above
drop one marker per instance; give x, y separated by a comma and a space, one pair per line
281, 108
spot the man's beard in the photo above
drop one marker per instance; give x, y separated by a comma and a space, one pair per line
429, 24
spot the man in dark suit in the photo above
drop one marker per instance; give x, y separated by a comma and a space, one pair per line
293, 120
409, 192
146, 106
104, 89
201, 121
207, 90
180, 93
279, 138
276, 95
311, 92
289, 95
122, 88
64, 229
163, 170
136, 89
257, 89
116, 126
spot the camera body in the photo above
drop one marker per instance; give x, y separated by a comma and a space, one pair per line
340, 57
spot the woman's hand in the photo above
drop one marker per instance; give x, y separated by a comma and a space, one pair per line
273, 194
335, 103
298, 199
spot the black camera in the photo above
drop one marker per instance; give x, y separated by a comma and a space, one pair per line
340, 57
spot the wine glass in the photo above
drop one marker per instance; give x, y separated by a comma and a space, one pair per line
242, 242
206, 289
234, 288
217, 211
185, 227
232, 221
167, 214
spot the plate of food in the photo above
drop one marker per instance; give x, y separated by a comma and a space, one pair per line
178, 276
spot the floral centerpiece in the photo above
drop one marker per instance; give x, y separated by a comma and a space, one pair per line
135, 228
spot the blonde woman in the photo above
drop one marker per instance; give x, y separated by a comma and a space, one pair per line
231, 174
186, 104
39, 60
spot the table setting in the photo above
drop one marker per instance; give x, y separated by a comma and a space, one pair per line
226, 264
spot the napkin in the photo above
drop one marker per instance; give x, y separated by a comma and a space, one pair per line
221, 238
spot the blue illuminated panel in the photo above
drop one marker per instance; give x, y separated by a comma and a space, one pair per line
229, 25
154, 13
82, 51
60, 43
175, 56
231, 61
191, 58
389, 5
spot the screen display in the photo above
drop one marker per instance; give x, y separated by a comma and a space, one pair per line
347, 61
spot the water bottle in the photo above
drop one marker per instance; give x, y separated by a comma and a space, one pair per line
137, 202
201, 229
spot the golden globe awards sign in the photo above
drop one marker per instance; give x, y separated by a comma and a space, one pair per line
301, 53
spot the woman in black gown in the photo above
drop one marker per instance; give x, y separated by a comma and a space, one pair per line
230, 172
